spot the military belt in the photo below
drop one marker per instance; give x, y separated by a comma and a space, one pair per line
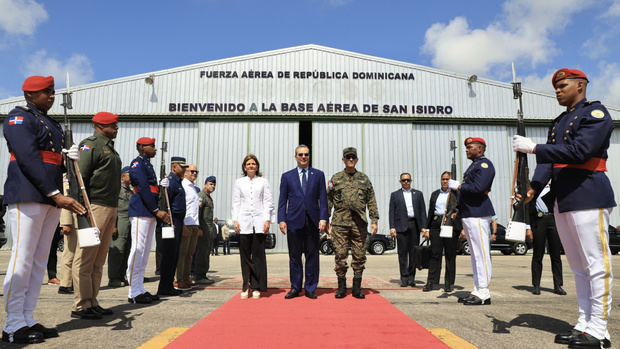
48, 157
594, 164
154, 189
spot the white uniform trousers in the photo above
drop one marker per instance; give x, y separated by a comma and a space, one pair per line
32, 228
477, 231
584, 235
142, 230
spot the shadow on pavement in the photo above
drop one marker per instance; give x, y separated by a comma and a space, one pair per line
535, 321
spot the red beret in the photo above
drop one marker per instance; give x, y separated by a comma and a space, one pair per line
568, 74
37, 83
471, 140
146, 141
105, 118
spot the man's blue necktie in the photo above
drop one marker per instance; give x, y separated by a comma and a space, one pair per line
304, 180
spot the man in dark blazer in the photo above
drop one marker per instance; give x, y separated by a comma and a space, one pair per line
302, 213
407, 217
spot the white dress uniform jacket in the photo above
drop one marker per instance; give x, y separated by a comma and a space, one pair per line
252, 204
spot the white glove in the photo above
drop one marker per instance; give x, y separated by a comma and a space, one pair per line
454, 185
523, 144
164, 183
73, 153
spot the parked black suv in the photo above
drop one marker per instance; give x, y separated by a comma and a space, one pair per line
270, 240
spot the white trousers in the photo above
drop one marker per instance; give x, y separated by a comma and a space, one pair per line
142, 230
32, 228
584, 235
477, 230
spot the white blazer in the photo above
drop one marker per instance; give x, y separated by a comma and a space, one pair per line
252, 203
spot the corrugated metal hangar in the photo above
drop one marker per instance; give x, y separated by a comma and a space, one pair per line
400, 116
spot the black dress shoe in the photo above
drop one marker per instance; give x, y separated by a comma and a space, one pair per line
448, 288
411, 283
564, 338
154, 297
474, 300
140, 299
585, 340
173, 292
65, 290
102, 311
311, 294
404, 284
86, 314
24, 335
466, 298
536, 290
428, 287
292, 294
559, 290
47, 332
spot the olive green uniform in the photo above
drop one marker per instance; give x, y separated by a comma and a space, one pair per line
121, 243
349, 195
100, 166
205, 242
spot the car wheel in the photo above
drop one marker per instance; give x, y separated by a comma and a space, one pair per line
506, 252
465, 248
377, 247
520, 248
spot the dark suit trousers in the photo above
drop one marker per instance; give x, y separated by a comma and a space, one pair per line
306, 241
52, 260
253, 261
545, 232
406, 241
170, 255
439, 247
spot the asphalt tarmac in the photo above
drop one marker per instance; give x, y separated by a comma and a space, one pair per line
515, 319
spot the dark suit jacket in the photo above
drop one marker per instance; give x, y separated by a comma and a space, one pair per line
293, 205
433, 202
398, 210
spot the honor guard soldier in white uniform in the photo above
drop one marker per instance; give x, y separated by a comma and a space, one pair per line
33, 193
476, 210
574, 159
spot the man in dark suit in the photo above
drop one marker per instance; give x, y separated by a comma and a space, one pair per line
443, 202
407, 217
302, 213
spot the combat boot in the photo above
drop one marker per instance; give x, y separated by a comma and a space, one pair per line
342, 287
357, 288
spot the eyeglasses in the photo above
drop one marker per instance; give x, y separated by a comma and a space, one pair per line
350, 157
303, 154
405, 180
193, 171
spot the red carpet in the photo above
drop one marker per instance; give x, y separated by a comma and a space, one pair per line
326, 322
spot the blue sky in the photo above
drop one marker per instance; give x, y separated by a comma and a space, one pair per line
101, 40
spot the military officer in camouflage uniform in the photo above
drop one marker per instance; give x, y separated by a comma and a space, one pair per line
100, 166
121, 238
205, 242
349, 192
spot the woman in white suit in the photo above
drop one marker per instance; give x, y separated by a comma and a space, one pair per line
252, 210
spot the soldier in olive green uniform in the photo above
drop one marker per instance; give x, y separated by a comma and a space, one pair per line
100, 166
205, 242
349, 192
121, 238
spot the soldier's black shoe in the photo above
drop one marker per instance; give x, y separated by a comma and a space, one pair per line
536, 290
102, 311
86, 314
310, 294
24, 335
65, 290
474, 300
47, 332
171, 292
140, 299
155, 297
564, 338
430, 287
292, 294
342, 287
404, 284
464, 299
585, 340
356, 290
559, 290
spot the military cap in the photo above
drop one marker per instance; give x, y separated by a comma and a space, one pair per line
470, 140
178, 160
105, 118
37, 83
125, 169
564, 73
210, 179
146, 141
349, 151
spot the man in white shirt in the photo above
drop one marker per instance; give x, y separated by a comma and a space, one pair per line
191, 230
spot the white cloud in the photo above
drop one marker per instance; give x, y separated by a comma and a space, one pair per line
606, 86
521, 33
21, 16
614, 9
537, 83
78, 66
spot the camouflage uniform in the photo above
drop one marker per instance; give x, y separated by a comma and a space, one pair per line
349, 194
121, 244
205, 242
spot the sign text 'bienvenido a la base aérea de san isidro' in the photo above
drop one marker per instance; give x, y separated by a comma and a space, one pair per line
284, 107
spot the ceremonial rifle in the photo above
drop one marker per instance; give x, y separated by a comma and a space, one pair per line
167, 231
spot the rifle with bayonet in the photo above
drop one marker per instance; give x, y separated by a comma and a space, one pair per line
167, 231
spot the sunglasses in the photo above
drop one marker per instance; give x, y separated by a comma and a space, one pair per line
405, 180
303, 154
193, 171
350, 157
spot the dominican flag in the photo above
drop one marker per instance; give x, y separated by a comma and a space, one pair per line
134, 165
16, 120
85, 147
